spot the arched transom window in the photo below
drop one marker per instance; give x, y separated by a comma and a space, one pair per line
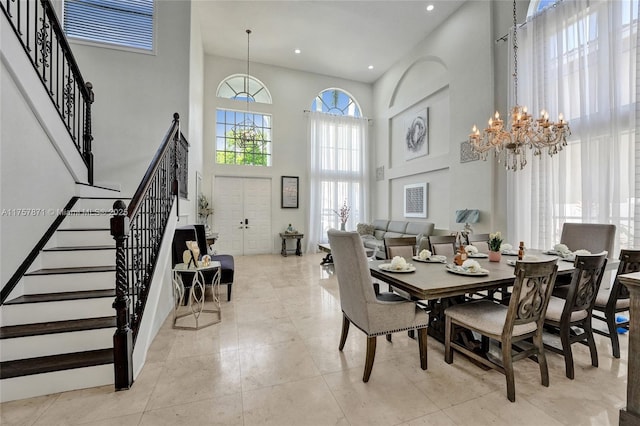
240, 87
336, 102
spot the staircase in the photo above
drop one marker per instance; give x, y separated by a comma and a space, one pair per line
58, 323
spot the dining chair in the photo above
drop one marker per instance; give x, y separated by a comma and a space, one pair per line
595, 237
400, 246
522, 319
479, 241
443, 245
374, 314
610, 302
566, 316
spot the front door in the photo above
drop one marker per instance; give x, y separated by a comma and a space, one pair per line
242, 215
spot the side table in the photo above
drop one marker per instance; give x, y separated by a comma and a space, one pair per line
288, 236
196, 299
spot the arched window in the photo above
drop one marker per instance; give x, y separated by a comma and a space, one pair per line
336, 102
240, 87
537, 6
243, 137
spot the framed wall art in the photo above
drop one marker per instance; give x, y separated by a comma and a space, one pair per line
415, 200
289, 196
417, 135
467, 153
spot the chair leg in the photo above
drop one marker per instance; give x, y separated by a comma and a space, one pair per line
507, 362
422, 344
542, 358
229, 292
613, 334
371, 354
448, 351
345, 331
591, 342
566, 351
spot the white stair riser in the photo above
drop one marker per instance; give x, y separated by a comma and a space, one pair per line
104, 204
89, 218
59, 283
58, 343
28, 313
55, 382
82, 238
75, 258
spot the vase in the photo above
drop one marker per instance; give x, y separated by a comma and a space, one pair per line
495, 256
342, 226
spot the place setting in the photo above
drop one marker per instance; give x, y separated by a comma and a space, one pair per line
472, 252
564, 253
426, 256
469, 267
398, 264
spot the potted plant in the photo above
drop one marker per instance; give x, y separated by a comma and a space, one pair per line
495, 241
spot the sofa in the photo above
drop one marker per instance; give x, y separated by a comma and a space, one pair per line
373, 235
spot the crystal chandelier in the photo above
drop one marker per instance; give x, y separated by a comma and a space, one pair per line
246, 133
525, 133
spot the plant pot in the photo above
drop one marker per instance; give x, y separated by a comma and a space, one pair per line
495, 256
342, 226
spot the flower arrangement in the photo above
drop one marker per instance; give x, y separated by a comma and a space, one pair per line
204, 210
343, 213
495, 241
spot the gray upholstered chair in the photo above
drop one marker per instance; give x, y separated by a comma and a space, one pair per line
479, 241
595, 237
522, 319
610, 302
400, 246
443, 245
375, 315
566, 316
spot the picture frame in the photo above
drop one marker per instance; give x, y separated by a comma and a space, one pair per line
415, 200
289, 193
417, 135
467, 153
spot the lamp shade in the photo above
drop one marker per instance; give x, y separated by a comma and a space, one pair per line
467, 216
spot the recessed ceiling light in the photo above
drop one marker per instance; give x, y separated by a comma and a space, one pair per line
430, 8
297, 51
370, 67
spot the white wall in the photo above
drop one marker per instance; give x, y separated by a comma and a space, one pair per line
451, 73
136, 95
292, 93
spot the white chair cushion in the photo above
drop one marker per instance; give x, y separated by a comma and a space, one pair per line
486, 317
603, 297
555, 307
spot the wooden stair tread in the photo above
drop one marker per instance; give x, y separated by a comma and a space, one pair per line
57, 297
25, 330
47, 364
72, 270
78, 248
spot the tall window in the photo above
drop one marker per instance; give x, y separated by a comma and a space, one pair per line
338, 164
581, 58
125, 23
232, 125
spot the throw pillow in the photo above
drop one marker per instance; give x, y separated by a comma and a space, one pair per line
365, 229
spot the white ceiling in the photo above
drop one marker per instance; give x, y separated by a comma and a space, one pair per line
337, 38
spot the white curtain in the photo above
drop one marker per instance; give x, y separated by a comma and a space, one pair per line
338, 173
580, 58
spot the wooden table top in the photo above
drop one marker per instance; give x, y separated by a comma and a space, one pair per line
432, 280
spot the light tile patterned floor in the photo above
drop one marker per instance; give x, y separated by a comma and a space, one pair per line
274, 361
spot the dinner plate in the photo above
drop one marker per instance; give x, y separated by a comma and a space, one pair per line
551, 252
478, 255
511, 262
432, 259
510, 252
387, 268
462, 271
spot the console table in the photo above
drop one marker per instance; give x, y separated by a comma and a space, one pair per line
289, 236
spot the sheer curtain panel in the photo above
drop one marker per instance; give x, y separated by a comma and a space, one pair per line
580, 58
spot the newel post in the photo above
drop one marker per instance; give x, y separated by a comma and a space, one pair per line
122, 339
87, 136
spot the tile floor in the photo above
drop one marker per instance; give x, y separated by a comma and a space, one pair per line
274, 361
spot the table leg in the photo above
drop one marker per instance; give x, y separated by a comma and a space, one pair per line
283, 251
299, 247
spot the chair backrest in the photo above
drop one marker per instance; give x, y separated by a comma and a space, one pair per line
531, 292
629, 262
354, 279
585, 283
443, 245
595, 237
479, 241
400, 246
179, 245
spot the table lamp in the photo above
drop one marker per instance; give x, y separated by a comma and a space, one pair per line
467, 216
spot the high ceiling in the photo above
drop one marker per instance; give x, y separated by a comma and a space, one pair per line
336, 38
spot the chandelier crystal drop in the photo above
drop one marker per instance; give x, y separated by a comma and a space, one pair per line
511, 144
246, 133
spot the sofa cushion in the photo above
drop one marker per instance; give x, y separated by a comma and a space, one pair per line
365, 229
380, 224
393, 235
397, 226
419, 228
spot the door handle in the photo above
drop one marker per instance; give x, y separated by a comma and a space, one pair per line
246, 221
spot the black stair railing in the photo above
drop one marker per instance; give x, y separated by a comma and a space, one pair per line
36, 25
138, 230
